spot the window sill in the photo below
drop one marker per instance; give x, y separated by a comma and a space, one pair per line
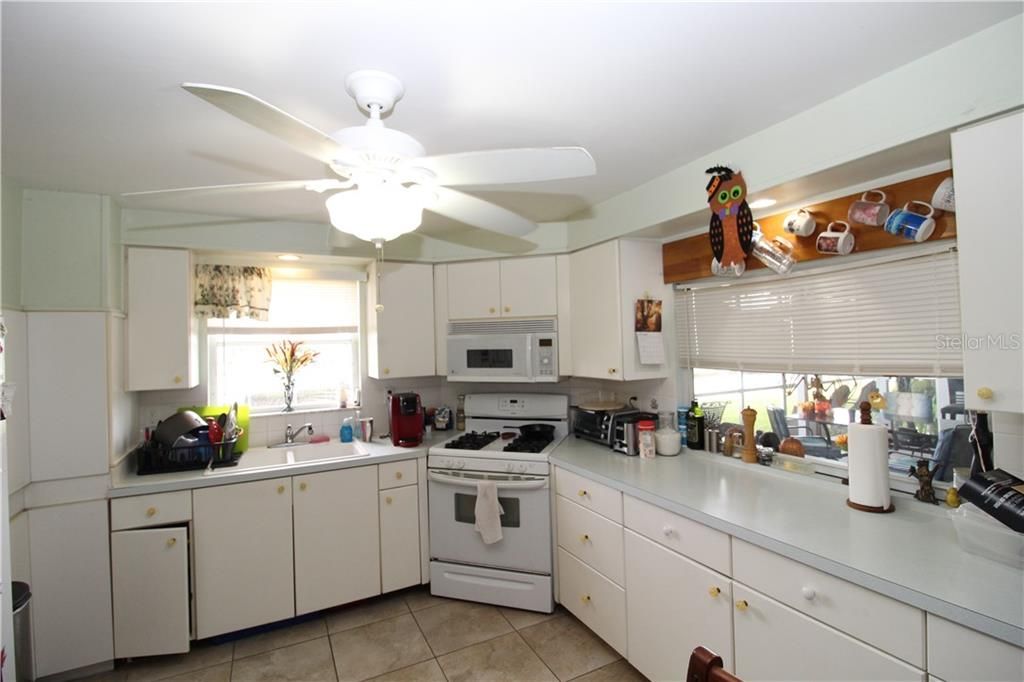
317, 410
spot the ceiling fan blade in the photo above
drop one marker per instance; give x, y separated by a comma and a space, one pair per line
479, 213
267, 117
509, 166
241, 188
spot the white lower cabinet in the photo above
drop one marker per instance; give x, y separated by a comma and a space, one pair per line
594, 599
243, 555
775, 642
958, 654
399, 537
149, 572
673, 605
336, 538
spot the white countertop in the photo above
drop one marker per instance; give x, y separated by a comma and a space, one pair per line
911, 555
262, 463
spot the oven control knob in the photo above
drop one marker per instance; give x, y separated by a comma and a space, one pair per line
461, 465
522, 468
509, 467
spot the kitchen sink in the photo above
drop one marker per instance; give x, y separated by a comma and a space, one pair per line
297, 453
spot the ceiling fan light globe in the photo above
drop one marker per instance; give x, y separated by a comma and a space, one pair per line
376, 213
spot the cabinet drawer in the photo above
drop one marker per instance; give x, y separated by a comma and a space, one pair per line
775, 642
595, 600
594, 496
959, 654
878, 620
591, 538
150, 510
694, 540
395, 474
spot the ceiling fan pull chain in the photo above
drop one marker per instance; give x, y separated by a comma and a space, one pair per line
379, 243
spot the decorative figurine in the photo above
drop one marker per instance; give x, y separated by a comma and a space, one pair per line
732, 223
952, 497
925, 491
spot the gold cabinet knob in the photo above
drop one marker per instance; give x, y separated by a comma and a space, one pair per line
508, 309
177, 379
387, 500
151, 511
172, 541
490, 310
741, 605
387, 371
583, 493
714, 591
585, 538
280, 490
585, 599
303, 485
985, 393
398, 475
612, 370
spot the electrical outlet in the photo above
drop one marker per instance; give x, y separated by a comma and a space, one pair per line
654, 403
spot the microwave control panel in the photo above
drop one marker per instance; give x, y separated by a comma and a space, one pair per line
545, 365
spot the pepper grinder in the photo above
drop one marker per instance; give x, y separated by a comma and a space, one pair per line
749, 447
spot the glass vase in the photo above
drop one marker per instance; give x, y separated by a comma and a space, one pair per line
289, 392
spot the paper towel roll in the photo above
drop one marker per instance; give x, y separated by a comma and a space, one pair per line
869, 465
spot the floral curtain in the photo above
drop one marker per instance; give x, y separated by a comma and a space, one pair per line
225, 291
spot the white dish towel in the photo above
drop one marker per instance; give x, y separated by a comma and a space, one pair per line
488, 512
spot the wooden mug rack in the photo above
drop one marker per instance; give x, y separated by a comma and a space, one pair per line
685, 260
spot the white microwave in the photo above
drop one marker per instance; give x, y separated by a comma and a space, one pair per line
503, 350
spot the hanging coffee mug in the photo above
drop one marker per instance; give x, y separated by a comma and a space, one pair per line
801, 223
916, 227
776, 253
944, 199
870, 209
836, 242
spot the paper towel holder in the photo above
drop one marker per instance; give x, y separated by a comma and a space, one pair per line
865, 418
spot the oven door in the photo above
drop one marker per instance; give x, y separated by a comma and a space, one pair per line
489, 357
525, 525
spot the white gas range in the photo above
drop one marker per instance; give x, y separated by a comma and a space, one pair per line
508, 439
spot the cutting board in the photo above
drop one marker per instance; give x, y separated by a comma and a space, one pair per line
205, 411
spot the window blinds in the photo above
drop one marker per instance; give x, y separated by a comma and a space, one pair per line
891, 318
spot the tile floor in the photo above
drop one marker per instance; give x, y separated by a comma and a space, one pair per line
408, 636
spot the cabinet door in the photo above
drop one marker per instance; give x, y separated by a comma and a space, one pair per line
149, 572
774, 642
243, 555
336, 538
987, 170
399, 538
162, 341
594, 305
474, 290
674, 605
400, 336
959, 654
529, 287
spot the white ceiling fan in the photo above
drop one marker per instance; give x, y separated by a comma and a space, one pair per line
384, 180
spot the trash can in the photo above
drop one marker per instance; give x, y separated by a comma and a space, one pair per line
24, 657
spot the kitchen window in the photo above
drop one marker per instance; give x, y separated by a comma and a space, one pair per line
324, 313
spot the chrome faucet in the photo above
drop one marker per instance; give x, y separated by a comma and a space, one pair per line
289, 435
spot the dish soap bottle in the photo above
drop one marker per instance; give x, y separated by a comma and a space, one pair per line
346, 430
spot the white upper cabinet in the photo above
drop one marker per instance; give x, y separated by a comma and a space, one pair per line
400, 336
514, 287
605, 282
162, 342
988, 177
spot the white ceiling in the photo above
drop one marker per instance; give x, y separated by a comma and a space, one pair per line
91, 99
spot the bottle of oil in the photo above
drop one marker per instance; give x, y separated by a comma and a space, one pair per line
460, 414
695, 427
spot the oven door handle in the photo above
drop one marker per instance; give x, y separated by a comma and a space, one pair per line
502, 485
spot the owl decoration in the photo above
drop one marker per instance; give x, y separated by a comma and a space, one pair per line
732, 224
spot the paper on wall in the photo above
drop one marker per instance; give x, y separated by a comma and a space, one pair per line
651, 347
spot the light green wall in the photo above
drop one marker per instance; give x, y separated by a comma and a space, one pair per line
10, 244
971, 79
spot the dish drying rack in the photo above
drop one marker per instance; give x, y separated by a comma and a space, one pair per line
153, 458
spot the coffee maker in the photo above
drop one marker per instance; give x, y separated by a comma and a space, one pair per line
406, 413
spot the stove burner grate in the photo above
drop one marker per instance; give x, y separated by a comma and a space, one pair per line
529, 444
473, 440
